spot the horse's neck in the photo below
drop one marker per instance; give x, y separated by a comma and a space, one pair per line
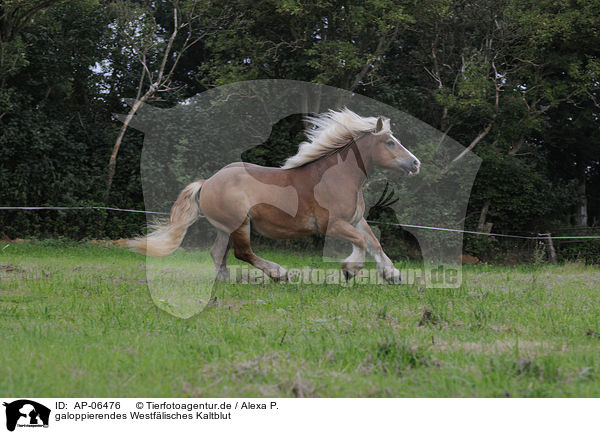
346, 166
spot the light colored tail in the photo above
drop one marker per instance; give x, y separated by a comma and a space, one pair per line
166, 238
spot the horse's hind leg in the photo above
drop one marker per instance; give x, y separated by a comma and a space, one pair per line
243, 251
218, 251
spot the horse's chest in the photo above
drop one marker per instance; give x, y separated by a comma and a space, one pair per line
347, 207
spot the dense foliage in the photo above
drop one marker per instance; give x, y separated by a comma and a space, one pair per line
517, 81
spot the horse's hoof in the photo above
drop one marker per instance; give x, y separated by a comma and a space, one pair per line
394, 280
393, 277
281, 276
223, 275
347, 275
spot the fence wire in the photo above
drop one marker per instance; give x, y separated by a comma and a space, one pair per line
492, 234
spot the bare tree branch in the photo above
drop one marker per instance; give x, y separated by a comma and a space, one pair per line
158, 85
140, 100
382, 46
476, 140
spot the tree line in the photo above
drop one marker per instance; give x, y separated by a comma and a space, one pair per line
515, 81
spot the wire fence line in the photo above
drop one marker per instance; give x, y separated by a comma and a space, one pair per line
492, 234
538, 237
61, 208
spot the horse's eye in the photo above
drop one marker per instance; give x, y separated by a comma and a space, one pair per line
390, 143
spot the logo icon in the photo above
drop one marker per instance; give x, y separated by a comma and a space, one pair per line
26, 413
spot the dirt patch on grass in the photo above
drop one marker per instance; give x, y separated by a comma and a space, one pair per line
300, 387
9, 268
427, 318
259, 366
593, 334
502, 346
10, 272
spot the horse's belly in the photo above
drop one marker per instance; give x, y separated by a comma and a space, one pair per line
274, 223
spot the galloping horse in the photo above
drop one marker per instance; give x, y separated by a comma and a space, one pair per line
317, 191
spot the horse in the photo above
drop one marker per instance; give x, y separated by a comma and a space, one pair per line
316, 191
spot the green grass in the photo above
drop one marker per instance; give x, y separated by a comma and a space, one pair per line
80, 321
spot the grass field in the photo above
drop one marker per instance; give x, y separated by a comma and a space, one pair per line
79, 321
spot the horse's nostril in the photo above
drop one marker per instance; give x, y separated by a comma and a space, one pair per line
416, 163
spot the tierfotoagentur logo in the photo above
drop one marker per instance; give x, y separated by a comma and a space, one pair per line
25, 413
429, 277
359, 155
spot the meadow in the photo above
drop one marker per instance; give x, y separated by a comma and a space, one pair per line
78, 320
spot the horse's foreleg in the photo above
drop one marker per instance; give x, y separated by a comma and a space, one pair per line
243, 251
218, 251
345, 231
353, 263
385, 266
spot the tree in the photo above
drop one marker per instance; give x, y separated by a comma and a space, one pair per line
158, 52
341, 44
15, 16
489, 73
515, 81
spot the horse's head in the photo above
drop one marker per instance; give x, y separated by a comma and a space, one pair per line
387, 152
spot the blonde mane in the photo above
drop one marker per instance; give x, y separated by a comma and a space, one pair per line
332, 130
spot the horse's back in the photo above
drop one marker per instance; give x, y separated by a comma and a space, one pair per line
227, 197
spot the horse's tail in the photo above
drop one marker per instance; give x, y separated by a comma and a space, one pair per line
166, 238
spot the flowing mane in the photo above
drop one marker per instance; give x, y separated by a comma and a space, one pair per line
333, 129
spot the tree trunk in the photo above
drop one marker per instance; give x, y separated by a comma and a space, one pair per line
581, 217
482, 226
112, 164
154, 87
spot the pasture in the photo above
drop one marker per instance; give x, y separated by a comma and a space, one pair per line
78, 320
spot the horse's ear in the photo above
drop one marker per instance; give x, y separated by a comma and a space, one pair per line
379, 125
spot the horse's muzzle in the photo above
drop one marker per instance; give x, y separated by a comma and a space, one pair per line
415, 168
411, 167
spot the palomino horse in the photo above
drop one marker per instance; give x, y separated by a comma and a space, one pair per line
317, 191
